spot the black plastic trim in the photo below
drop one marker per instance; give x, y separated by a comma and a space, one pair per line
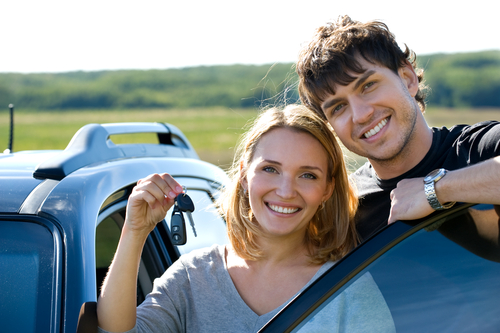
91, 145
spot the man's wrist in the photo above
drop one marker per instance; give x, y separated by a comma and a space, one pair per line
430, 189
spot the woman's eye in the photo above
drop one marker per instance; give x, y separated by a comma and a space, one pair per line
269, 169
309, 176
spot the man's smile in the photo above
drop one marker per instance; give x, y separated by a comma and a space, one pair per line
376, 129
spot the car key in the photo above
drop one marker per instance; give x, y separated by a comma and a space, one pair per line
185, 204
178, 227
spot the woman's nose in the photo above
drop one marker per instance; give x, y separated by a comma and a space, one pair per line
286, 188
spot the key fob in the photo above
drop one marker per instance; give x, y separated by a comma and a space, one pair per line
185, 203
177, 228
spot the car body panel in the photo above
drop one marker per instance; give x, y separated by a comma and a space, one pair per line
70, 192
16, 176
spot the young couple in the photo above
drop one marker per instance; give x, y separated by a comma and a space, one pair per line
290, 209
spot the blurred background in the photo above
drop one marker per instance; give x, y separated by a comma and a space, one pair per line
209, 66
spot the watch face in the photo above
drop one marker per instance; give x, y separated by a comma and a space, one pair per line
438, 173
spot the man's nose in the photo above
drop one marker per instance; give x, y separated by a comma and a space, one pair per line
361, 110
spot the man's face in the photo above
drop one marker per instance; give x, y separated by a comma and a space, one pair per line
375, 115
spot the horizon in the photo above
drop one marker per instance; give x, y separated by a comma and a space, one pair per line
212, 65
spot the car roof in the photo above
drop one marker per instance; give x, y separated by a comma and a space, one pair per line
16, 176
24, 174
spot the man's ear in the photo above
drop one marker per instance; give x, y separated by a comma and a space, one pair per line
410, 79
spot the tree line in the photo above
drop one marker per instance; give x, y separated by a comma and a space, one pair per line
456, 80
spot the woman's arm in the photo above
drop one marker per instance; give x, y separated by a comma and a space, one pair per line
148, 204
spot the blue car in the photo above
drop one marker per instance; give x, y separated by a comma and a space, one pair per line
61, 213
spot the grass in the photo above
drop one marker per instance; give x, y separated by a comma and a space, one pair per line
212, 132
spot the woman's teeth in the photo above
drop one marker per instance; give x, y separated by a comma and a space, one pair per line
283, 210
376, 129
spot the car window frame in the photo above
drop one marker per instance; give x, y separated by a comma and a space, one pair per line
293, 314
159, 253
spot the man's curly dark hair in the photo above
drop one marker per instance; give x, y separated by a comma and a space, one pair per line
333, 52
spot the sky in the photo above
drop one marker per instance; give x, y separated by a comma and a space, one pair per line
61, 36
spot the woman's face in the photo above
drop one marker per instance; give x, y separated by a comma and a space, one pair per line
287, 181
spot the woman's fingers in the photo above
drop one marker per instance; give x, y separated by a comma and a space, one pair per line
161, 187
150, 200
172, 188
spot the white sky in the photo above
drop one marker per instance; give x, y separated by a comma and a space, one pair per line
60, 36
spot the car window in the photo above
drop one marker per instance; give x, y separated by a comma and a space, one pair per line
210, 227
28, 277
428, 283
107, 237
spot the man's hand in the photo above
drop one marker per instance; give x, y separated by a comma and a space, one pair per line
408, 201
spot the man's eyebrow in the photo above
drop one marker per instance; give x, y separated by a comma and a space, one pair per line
362, 79
359, 81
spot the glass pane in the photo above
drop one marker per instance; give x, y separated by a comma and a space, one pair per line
107, 237
27, 264
210, 227
429, 283
360, 307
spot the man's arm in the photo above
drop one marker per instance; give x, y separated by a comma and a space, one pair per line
478, 183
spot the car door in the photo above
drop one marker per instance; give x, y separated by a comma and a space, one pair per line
405, 279
31, 255
159, 253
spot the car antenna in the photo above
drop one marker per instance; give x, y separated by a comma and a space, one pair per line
11, 132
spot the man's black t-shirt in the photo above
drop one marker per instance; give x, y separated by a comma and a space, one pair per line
452, 149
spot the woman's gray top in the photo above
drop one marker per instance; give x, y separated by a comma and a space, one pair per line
197, 294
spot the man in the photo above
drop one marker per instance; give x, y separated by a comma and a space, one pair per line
355, 75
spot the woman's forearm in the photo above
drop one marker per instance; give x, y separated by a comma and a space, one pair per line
116, 307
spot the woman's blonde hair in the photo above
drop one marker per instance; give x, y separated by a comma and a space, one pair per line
331, 233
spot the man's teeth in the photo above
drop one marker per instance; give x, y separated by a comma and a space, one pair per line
376, 129
283, 210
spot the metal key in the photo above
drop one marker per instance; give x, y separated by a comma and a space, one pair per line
185, 204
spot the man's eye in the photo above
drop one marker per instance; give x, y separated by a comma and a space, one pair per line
368, 85
337, 108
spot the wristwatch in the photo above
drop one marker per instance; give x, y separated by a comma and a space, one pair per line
430, 191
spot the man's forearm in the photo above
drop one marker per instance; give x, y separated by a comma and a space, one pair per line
478, 183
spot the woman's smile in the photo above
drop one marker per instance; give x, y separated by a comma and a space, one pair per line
285, 192
282, 210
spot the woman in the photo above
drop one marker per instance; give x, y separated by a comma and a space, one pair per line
289, 210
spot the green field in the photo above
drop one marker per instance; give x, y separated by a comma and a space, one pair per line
213, 132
